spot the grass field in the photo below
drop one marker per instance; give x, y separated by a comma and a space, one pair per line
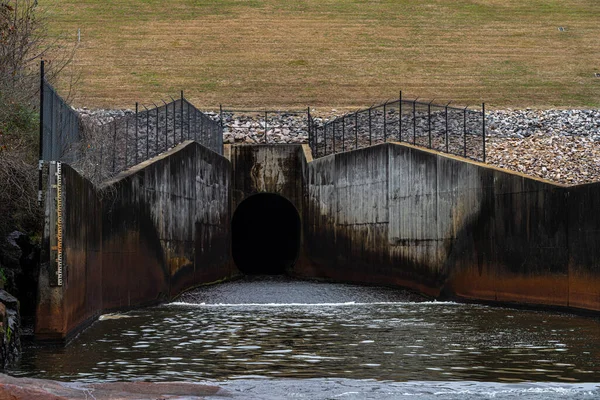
334, 53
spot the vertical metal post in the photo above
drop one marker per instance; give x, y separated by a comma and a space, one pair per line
189, 135
202, 128
156, 132
126, 137
102, 151
266, 125
356, 130
114, 147
166, 125
465, 132
136, 132
181, 118
446, 131
174, 122
221, 115
414, 121
344, 133
370, 129
333, 136
195, 124
385, 122
41, 141
429, 122
400, 117
309, 128
483, 132
147, 133
325, 138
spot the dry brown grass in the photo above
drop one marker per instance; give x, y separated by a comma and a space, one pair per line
335, 53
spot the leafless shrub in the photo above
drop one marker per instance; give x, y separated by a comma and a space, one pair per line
24, 40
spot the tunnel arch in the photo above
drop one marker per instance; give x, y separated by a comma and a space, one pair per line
265, 235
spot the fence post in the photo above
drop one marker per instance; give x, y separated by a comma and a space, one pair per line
114, 146
266, 124
465, 132
446, 118
102, 152
147, 133
221, 115
174, 122
400, 117
202, 128
126, 137
429, 121
308, 126
156, 132
370, 130
136, 132
415, 121
483, 120
325, 137
344, 133
385, 122
166, 125
356, 130
195, 124
333, 123
41, 148
189, 135
181, 118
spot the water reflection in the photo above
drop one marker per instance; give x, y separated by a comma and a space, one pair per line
369, 333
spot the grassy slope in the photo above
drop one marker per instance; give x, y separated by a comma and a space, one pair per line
335, 53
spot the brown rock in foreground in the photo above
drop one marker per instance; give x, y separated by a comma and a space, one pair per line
41, 389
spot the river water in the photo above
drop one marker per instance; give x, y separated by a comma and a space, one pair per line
274, 337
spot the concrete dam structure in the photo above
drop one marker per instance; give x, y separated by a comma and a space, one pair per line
390, 214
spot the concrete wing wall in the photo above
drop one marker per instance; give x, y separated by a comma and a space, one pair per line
397, 215
78, 238
145, 237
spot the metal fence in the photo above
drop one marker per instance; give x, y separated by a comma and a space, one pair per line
459, 131
264, 126
60, 130
138, 136
100, 151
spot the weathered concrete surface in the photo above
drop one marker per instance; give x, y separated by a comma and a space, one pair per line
268, 169
29, 388
278, 169
397, 215
168, 223
151, 233
82, 271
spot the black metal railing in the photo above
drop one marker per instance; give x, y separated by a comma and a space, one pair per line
138, 136
100, 151
60, 127
459, 131
263, 126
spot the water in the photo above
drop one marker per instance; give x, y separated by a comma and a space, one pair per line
275, 336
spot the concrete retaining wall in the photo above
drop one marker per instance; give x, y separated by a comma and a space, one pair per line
279, 169
268, 169
397, 215
144, 237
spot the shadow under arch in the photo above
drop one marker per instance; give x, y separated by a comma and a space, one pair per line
265, 235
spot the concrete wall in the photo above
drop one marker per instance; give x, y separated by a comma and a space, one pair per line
144, 237
268, 169
276, 169
397, 215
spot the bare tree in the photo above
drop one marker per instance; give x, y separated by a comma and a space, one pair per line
24, 41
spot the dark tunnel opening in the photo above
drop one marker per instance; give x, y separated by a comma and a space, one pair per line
265, 231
